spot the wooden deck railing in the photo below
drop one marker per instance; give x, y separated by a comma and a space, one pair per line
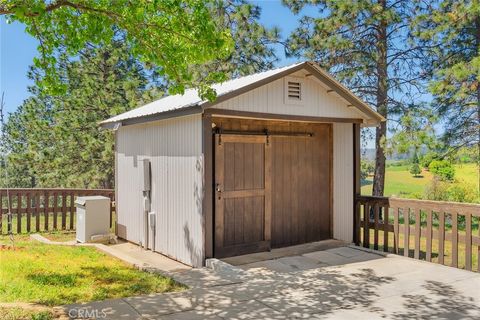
43, 209
436, 231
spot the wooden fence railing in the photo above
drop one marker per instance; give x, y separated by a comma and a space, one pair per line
34, 210
435, 231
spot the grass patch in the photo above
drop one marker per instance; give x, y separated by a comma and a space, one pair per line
400, 182
60, 236
22, 314
55, 275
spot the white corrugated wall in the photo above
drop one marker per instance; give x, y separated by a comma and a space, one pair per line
174, 147
343, 181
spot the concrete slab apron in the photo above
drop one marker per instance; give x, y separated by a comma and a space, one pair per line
342, 283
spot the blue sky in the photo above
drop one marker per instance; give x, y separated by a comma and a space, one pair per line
17, 50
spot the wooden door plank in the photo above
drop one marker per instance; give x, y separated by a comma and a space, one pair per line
309, 205
260, 233
287, 188
295, 238
278, 239
258, 166
249, 166
238, 167
268, 194
239, 205
229, 221
248, 220
302, 190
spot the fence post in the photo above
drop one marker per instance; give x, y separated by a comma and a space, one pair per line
406, 233
441, 237
418, 233
454, 239
428, 255
468, 241
356, 234
19, 212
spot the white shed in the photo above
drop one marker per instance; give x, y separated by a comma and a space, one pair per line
273, 162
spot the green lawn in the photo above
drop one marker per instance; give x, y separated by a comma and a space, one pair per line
54, 275
399, 182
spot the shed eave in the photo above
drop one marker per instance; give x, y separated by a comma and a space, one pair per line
371, 117
195, 109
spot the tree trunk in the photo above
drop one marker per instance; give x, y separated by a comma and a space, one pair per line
477, 26
382, 98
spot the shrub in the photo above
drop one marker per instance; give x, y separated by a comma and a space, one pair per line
445, 191
462, 192
428, 158
436, 190
366, 169
443, 169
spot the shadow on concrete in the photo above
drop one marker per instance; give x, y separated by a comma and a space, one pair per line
440, 301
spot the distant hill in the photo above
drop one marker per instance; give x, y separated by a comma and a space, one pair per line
369, 154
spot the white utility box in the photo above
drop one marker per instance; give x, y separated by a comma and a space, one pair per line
93, 217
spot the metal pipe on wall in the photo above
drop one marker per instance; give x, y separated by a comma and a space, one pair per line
146, 200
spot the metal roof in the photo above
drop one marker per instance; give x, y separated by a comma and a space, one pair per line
228, 89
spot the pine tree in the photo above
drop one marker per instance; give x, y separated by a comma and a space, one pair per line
415, 167
55, 141
364, 44
58, 138
453, 29
252, 51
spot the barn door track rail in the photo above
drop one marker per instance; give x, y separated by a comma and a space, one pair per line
265, 132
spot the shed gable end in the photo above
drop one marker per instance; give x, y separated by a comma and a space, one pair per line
296, 94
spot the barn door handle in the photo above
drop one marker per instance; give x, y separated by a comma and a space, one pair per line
219, 190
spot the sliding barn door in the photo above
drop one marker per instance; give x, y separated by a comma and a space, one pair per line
242, 194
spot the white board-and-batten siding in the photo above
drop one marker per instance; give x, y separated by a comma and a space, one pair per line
174, 148
343, 181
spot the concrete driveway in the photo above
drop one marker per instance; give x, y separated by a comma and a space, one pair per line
339, 283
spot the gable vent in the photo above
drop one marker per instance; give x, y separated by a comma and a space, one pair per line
294, 90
